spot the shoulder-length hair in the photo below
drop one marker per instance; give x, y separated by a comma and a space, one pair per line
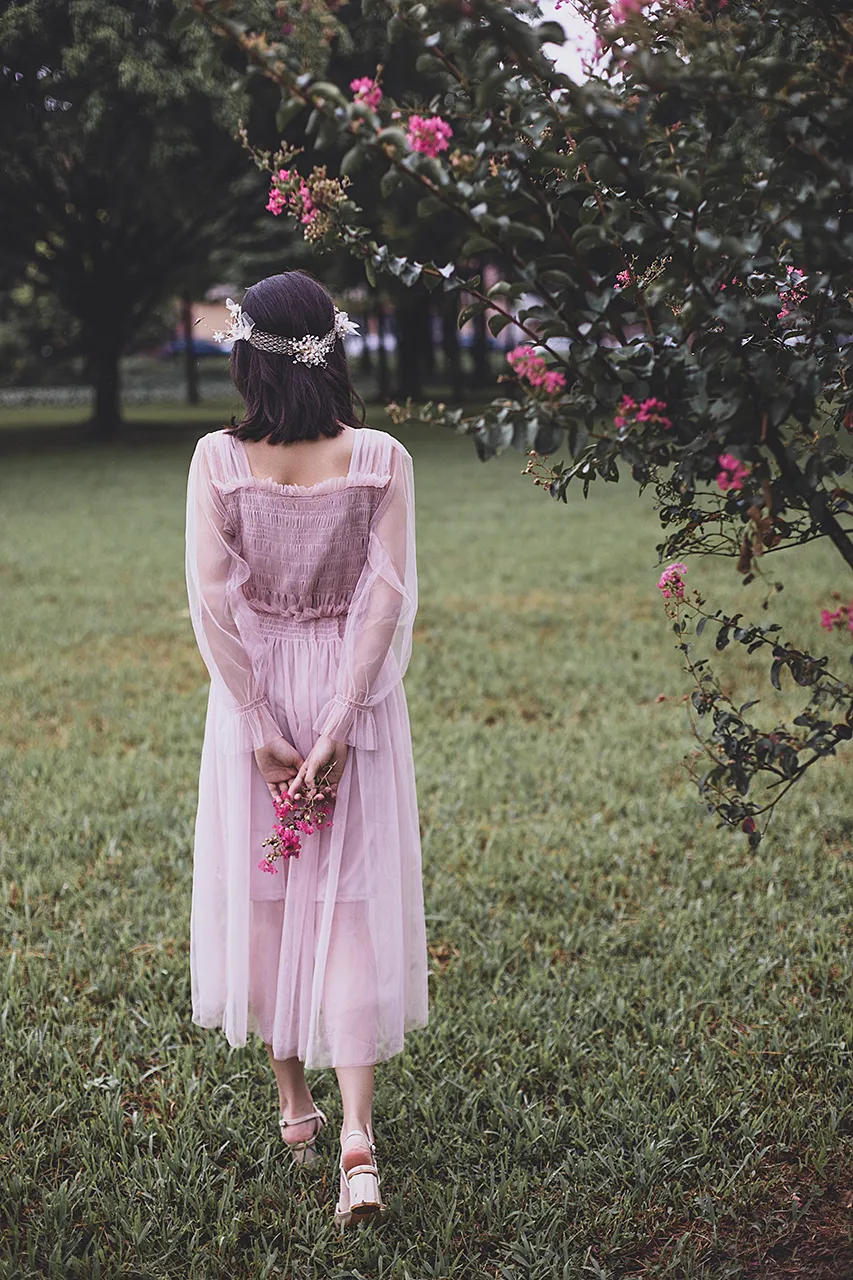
284, 399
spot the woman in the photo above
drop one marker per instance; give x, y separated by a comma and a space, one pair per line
302, 587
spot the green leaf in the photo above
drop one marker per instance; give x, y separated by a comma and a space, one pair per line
476, 243
497, 323
288, 109
394, 135
331, 92
183, 19
468, 312
351, 161
389, 182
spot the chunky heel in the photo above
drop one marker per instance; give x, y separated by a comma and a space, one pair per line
360, 1198
364, 1197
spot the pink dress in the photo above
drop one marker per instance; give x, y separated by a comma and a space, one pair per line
302, 601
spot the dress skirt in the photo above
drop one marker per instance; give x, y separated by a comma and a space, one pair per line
326, 959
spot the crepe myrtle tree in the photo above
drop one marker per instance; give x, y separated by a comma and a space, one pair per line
675, 240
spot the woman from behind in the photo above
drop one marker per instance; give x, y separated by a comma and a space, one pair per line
302, 585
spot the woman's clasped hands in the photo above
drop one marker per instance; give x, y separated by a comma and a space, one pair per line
282, 767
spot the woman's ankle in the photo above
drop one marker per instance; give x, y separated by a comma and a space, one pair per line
358, 1124
295, 1105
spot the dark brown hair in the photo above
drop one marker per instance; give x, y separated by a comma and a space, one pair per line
287, 400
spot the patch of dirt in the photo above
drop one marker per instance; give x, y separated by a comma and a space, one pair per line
816, 1246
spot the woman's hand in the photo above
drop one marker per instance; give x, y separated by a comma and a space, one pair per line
326, 754
279, 763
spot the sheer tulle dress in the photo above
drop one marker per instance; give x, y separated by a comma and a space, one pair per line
302, 601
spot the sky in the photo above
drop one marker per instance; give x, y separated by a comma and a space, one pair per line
580, 39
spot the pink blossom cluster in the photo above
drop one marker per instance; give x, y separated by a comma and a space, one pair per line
671, 581
531, 368
624, 279
428, 134
651, 410
733, 473
366, 91
622, 10
793, 294
298, 200
294, 818
830, 619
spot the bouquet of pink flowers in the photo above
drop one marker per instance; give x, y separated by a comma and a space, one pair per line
295, 817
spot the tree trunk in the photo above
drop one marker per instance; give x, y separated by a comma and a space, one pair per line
450, 346
480, 352
365, 360
190, 364
383, 380
409, 337
427, 349
106, 418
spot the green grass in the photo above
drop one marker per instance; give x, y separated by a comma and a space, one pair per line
639, 1055
207, 416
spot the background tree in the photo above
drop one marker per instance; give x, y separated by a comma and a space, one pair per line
123, 183
676, 241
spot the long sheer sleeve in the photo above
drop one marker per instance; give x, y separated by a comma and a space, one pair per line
377, 640
210, 557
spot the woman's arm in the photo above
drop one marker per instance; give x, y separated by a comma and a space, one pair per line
209, 558
377, 641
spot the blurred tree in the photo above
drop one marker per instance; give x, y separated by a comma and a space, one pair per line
122, 180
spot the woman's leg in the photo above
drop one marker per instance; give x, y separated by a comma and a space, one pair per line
356, 1084
294, 1095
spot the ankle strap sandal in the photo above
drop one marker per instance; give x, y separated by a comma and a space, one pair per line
305, 1150
360, 1198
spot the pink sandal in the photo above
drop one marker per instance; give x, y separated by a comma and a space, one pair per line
360, 1198
304, 1151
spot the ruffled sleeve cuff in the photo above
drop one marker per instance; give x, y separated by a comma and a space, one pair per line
347, 720
253, 726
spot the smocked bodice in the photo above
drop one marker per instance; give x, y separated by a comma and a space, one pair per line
305, 547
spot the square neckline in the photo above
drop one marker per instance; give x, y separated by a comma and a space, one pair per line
331, 482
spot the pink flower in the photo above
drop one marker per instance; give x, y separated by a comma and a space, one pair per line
531, 368
651, 410
623, 10
278, 200
309, 209
623, 280
294, 816
837, 618
366, 91
671, 581
552, 382
733, 473
793, 294
266, 865
428, 134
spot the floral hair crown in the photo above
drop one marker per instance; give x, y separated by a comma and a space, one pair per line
307, 350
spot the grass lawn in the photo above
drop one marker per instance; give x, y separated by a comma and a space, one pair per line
639, 1056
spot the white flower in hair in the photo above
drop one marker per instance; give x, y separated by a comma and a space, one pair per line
241, 325
343, 324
